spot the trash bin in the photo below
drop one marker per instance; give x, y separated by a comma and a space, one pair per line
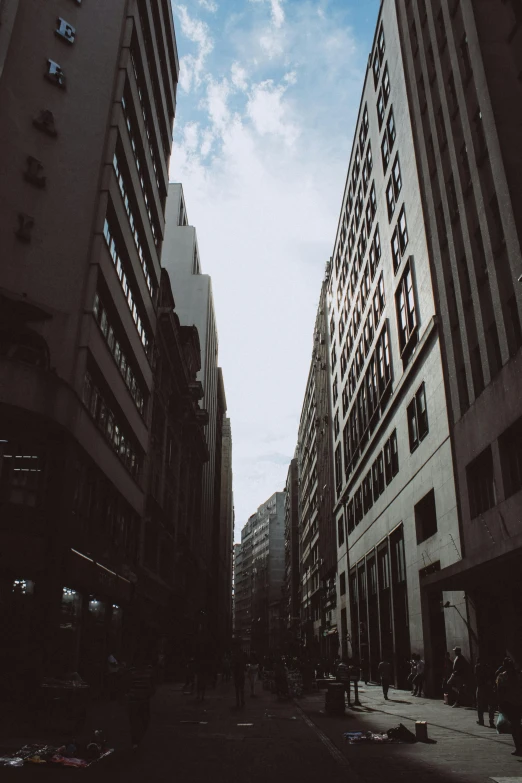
334, 699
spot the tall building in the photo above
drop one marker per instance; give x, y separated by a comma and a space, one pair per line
86, 115
235, 555
290, 606
259, 575
462, 63
396, 504
226, 544
195, 306
171, 571
317, 541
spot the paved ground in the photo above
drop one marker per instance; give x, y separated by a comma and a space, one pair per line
292, 742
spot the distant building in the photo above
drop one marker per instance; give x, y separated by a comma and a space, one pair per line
260, 566
290, 607
317, 541
195, 306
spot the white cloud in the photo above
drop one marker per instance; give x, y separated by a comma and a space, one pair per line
191, 67
269, 114
209, 5
261, 146
238, 76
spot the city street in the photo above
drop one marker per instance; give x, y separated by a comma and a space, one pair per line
283, 741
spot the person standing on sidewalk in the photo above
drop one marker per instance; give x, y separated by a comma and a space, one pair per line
139, 691
343, 676
485, 693
447, 668
509, 693
385, 674
459, 675
418, 680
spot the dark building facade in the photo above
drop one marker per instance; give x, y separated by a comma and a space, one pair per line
290, 608
86, 116
463, 62
170, 598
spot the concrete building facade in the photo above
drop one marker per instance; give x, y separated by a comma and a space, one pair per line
260, 568
290, 605
396, 503
193, 291
462, 63
86, 116
317, 540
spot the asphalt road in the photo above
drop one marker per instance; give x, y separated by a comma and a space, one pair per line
282, 742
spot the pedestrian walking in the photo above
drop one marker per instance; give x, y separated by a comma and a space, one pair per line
343, 676
385, 674
253, 673
238, 672
281, 681
418, 680
139, 690
509, 694
459, 676
485, 693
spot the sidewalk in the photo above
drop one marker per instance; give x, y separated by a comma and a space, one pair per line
461, 750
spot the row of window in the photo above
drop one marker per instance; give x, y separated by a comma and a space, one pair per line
133, 224
128, 375
388, 140
21, 472
366, 340
140, 86
371, 393
378, 57
133, 135
383, 97
394, 187
359, 302
103, 416
131, 301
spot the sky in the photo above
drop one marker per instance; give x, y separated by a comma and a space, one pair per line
268, 97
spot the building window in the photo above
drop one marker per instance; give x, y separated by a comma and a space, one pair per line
452, 198
385, 153
381, 43
384, 568
110, 426
340, 531
342, 583
406, 314
403, 230
479, 137
465, 60
391, 457
417, 418
380, 108
376, 69
510, 448
425, 517
400, 559
351, 517
335, 390
338, 468
390, 199
396, 175
372, 576
124, 282
390, 127
336, 424
481, 483
367, 492
386, 84
119, 354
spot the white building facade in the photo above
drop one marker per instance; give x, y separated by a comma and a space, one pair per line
396, 509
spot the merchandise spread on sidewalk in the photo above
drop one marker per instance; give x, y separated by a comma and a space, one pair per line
64, 755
